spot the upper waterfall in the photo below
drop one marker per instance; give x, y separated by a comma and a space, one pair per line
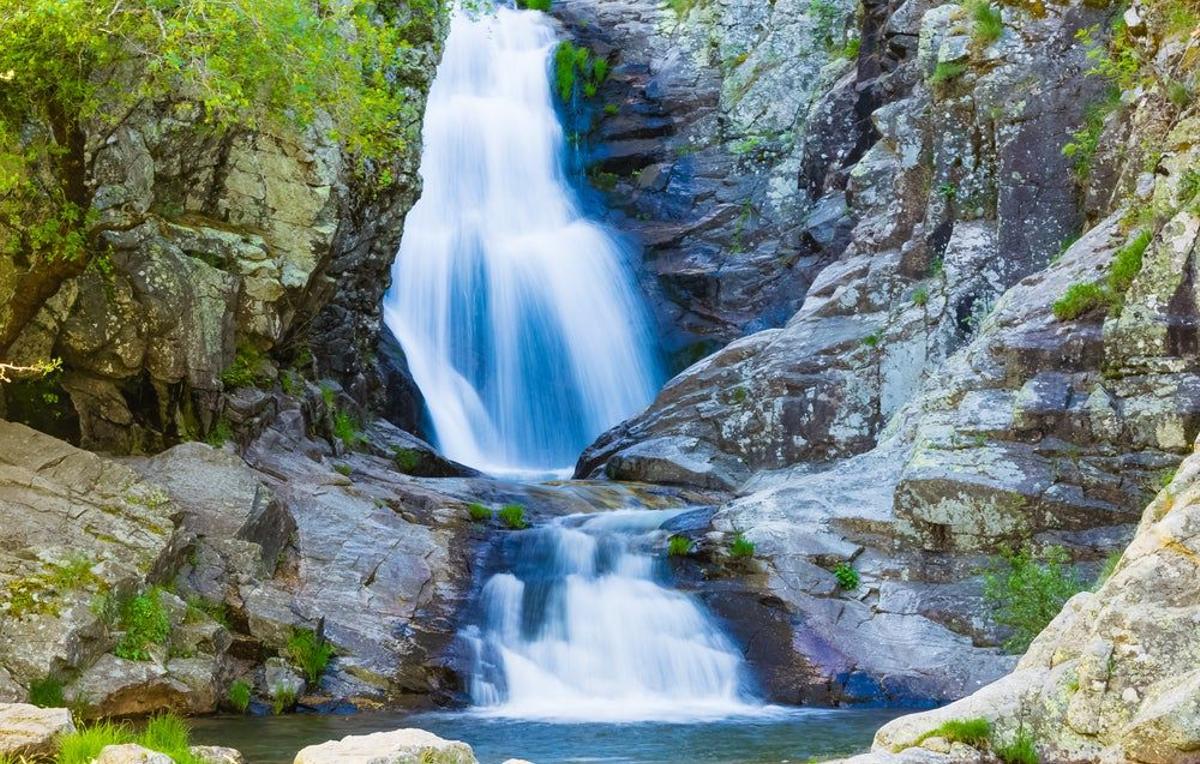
518, 315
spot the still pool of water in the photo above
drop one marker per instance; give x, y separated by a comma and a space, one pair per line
792, 735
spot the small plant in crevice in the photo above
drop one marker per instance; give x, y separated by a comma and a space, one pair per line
851, 48
220, 433
920, 297
947, 191
169, 734
535, 5
1020, 750
1108, 568
407, 460
846, 575
513, 517
975, 732
987, 25
347, 429
145, 623
577, 70
1085, 141
946, 72
283, 698
310, 652
238, 696
872, 339
245, 371
47, 693
1079, 300
1189, 186
1027, 592
742, 548
1083, 298
479, 513
739, 394
343, 469
679, 546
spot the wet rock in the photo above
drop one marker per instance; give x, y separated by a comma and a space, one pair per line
29, 731
215, 754
396, 747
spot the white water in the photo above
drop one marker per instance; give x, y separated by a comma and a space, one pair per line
517, 314
582, 629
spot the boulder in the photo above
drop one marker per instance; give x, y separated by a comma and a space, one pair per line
404, 746
29, 731
215, 754
130, 753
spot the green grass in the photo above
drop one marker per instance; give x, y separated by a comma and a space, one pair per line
166, 733
1108, 568
479, 513
309, 652
47, 693
1127, 262
872, 339
407, 460
1189, 186
282, 699
343, 469
987, 24
576, 70
945, 72
679, 546
851, 48
346, 429
239, 696
1026, 593
920, 297
145, 623
846, 575
220, 434
535, 5
244, 371
741, 548
513, 516
1021, 750
1079, 300
973, 732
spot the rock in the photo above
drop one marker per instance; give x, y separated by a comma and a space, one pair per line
215, 754
130, 753
280, 679
29, 731
405, 746
115, 686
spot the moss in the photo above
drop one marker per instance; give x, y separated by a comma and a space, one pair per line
1079, 300
872, 339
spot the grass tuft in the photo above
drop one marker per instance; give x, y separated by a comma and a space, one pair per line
987, 24
239, 695
1021, 750
310, 652
513, 516
945, 72
145, 623
47, 693
741, 548
479, 513
1079, 300
973, 732
679, 546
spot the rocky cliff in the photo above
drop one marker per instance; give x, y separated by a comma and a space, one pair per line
941, 394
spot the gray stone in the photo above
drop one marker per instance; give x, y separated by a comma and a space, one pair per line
29, 731
404, 746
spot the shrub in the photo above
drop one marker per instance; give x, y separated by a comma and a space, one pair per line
282, 699
244, 371
1021, 750
1079, 300
741, 548
679, 546
945, 72
407, 459
145, 623
987, 22
847, 576
1028, 593
310, 652
479, 513
973, 732
239, 695
513, 516
346, 429
47, 693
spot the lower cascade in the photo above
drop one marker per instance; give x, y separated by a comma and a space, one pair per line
518, 315
583, 627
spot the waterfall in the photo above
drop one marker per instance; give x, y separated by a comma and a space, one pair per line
583, 628
518, 315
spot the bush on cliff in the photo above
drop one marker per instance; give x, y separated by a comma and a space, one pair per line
72, 70
1027, 592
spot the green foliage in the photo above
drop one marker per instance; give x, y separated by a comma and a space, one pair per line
1108, 568
739, 394
346, 429
1086, 141
974, 732
1189, 185
343, 469
846, 575
947, 191
309, 652
283, 698
535, 5
220, 434
872, 339
239, 696
145, 623
1080, 299
47, 693
166, 733
245, 371
679, 546
479, 513
1027, 593
407, 460
1127, 263
513, 516
850, 50
1020, 750
328, 395
683, 7
199, 608
825, 16
1179, 94
920, 297
575, 68
987, 23
1117, 62
945, 72
741, 548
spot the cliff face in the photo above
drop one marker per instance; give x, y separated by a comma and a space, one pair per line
925, 407
217, 242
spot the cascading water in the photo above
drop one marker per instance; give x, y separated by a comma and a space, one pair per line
583, 628
517, 314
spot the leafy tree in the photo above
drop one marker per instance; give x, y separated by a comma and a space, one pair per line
73, 71
1027, 593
